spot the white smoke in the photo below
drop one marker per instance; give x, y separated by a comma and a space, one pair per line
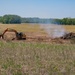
53, 30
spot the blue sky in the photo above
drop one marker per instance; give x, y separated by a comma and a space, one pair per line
38, 8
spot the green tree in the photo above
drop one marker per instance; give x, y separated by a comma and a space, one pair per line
11, 19
0, 19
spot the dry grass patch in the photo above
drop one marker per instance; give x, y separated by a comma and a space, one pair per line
20, 58
70, 28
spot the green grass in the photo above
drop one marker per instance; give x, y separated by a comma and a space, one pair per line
25, 58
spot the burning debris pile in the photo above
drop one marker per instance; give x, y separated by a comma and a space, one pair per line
70, 35
57, 31
67, 38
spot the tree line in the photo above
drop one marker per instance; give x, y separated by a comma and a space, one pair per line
64, 21
15, 19
10, 19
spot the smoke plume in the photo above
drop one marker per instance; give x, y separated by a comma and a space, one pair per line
53, 30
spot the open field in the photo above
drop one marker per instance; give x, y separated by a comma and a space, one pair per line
32, 28
34, 32
36, 58
27, 28
70, 28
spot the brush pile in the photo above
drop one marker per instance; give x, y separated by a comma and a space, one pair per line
70, 35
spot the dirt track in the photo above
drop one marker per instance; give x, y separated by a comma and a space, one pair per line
32, 37
33, 34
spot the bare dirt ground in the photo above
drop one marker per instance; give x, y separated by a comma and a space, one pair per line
34, 37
